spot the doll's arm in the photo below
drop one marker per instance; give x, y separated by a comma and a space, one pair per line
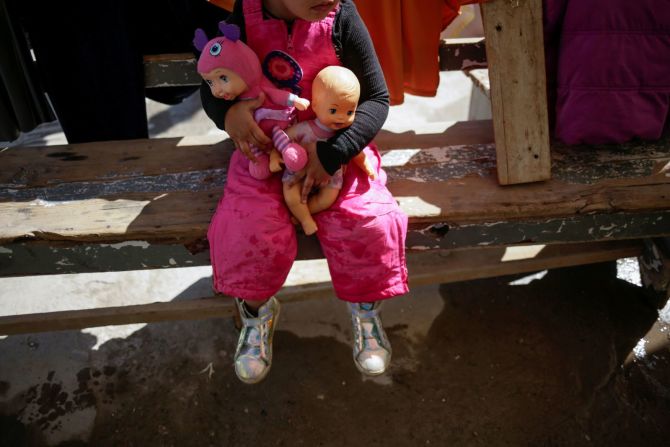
284, 98
294, 155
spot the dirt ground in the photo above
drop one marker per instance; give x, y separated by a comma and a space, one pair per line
488, 362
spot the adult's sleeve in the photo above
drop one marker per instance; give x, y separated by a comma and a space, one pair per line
215, 108
356, 52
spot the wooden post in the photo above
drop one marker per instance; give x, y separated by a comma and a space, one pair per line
515, 54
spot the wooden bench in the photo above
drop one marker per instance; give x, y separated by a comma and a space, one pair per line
470, 216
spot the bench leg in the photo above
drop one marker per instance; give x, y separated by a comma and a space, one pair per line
515, 54
655, 268
237, 318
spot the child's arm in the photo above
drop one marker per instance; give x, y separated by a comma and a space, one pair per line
242, 127
359, 56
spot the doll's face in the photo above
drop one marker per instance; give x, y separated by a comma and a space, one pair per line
224, 83
335, 111
309, 10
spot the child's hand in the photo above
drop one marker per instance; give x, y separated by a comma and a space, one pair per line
301, 103
242, 127
315, 174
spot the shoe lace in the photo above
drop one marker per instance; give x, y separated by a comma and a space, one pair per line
365, 329
257, 335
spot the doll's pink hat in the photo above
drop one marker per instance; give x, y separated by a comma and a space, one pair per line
228, 51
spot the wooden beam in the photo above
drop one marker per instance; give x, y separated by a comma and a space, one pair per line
424, 268
480, 79
170, 70
580, 228
515, 54
139, 197
179, 69
462, 53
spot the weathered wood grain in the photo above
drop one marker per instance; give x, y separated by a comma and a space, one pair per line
137, 199
515, 53
462, 53
480, 79
170, 70
179, 70
30, 167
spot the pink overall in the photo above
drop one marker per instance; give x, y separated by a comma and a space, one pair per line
252, 240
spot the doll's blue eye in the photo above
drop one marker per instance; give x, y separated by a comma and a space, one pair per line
224, 78
332, 111
350, 112
215, 49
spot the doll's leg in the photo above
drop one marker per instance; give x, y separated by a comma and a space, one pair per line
327, 195
299, 210
323, 199
260, 170
275, 161
294, 155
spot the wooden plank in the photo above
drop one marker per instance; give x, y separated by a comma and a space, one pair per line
578, 228
452, 184
107, 161
655, 268
184, 216
51, 258
179, 70
424, 268
171, 70
480, 79
46, 257
437, 134
515, 53
447, 266
462, 53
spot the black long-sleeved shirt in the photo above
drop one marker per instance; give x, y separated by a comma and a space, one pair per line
355, 51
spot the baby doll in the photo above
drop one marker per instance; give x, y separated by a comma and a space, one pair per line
335, 94
232, 71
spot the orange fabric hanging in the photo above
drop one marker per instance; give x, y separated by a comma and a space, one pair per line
406, 36
225, 4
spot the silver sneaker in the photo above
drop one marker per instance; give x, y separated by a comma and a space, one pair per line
253, 357
372, 350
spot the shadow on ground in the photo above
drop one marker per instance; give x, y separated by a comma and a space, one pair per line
498, 364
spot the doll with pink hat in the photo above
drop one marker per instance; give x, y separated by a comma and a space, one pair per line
232, 71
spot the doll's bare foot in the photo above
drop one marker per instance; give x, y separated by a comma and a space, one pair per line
309, 227
276, 161
275, 165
